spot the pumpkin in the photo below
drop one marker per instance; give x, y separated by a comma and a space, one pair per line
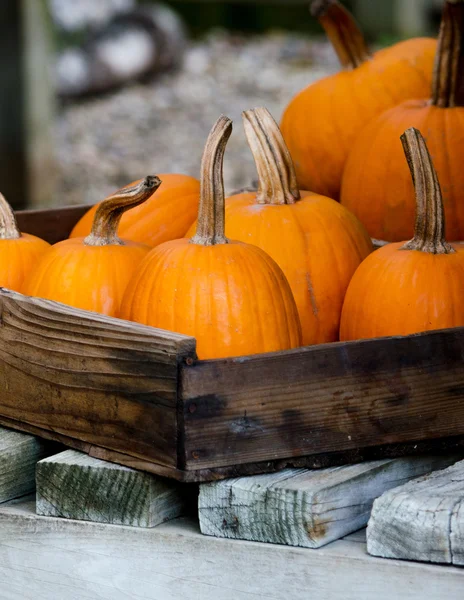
232, 297
376, 184
316, 242
415, 286
322, 122
19, 252
92, 273
166, 215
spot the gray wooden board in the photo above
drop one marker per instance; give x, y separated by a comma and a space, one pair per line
301, 507
52, 559
76, 486
421, 520
18, 456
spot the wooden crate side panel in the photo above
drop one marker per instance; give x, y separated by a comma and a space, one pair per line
99, 380
52, 225
329, 398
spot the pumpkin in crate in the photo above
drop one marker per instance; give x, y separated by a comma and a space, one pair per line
376, 184
321, 122
231, 296
414, 286
19, 252
316, 242
165, 215
92, 273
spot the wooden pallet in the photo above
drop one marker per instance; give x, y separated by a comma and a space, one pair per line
136, 395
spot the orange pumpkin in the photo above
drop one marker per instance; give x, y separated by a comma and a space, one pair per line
232, 297
322, 122
316, 242
92, 273
19, 252
406, 288
166, 215
376, 184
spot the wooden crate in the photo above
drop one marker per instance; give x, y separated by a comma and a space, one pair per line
138, 396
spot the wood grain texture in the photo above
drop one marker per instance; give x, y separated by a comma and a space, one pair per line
327, 398
19, 454
52, 224
421, 520
100, 380
76, 486
304, 508
50, 558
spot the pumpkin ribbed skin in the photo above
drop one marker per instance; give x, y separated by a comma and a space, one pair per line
18, 258
231, 297
321, 123
166, 215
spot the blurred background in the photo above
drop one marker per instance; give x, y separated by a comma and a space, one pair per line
97, 93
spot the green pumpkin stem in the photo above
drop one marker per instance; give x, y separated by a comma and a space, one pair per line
342, 31
105, 224
277, 182
429, 229
448, 73
8, 225
210, 223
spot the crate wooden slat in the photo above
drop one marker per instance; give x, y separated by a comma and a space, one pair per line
137, 395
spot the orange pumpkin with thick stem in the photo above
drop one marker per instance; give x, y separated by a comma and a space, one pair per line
322, 122
19, 252
316, 242
414, 286
376, 184
232, 297
92, 273
165, 215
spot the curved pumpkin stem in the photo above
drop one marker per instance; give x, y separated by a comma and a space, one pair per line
429, 229
210, 224
105, 225
8, 225
448, 73
342, 31
276, 173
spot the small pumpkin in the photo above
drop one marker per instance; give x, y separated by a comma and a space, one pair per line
92, 273
376, 184
166, 215
414, 286
232, 297
19, 252
322, 122
317, 243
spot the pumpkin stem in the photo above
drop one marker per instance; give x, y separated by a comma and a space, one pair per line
429, 229
342, 31
105, 225
210, 224
8, 225
448, 73
276, 173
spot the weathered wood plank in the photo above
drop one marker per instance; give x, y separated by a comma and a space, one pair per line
421, 520
76, 486
49, 558
304, 508
327, 398
103, 381
52, 225
19, 454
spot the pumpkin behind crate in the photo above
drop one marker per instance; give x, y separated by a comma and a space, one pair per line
414, 286
321, 123
19, 252
165, 215
376, 184
316, 242
92, 273
232, 297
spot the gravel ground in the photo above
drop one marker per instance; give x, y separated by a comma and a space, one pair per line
161, 126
